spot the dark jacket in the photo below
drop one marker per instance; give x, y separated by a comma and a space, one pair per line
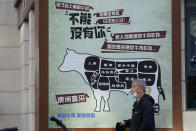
119, 128
142, 115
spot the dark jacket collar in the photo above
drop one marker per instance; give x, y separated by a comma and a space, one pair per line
144, 97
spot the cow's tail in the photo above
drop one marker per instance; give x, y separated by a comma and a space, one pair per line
160, 89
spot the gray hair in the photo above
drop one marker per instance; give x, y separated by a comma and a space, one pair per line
141, 83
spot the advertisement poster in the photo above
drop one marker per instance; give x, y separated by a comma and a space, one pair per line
96, 48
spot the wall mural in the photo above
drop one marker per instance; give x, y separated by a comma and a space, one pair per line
96, 48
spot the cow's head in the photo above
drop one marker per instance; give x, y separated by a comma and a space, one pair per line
69, 61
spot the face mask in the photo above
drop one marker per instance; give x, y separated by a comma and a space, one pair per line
135, 95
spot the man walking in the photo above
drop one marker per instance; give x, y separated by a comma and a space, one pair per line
142, 112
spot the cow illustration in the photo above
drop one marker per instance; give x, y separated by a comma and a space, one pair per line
104, 75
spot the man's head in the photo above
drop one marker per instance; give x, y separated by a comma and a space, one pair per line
138, 86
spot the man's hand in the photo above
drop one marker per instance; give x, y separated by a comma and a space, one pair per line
122, 123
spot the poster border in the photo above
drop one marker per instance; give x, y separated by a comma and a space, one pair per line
43, 41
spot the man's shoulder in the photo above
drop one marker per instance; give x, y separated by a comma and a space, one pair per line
147, 99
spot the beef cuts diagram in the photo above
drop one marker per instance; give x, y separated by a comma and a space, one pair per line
104, 75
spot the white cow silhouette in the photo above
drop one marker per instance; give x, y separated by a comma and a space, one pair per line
104, 75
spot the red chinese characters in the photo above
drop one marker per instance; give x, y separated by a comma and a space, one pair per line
117, 12
119, 20
71, 6
71, 98
128, 47
138, 35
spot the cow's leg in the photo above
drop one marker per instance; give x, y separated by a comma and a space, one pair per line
97, 96
106, 96
155, 96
